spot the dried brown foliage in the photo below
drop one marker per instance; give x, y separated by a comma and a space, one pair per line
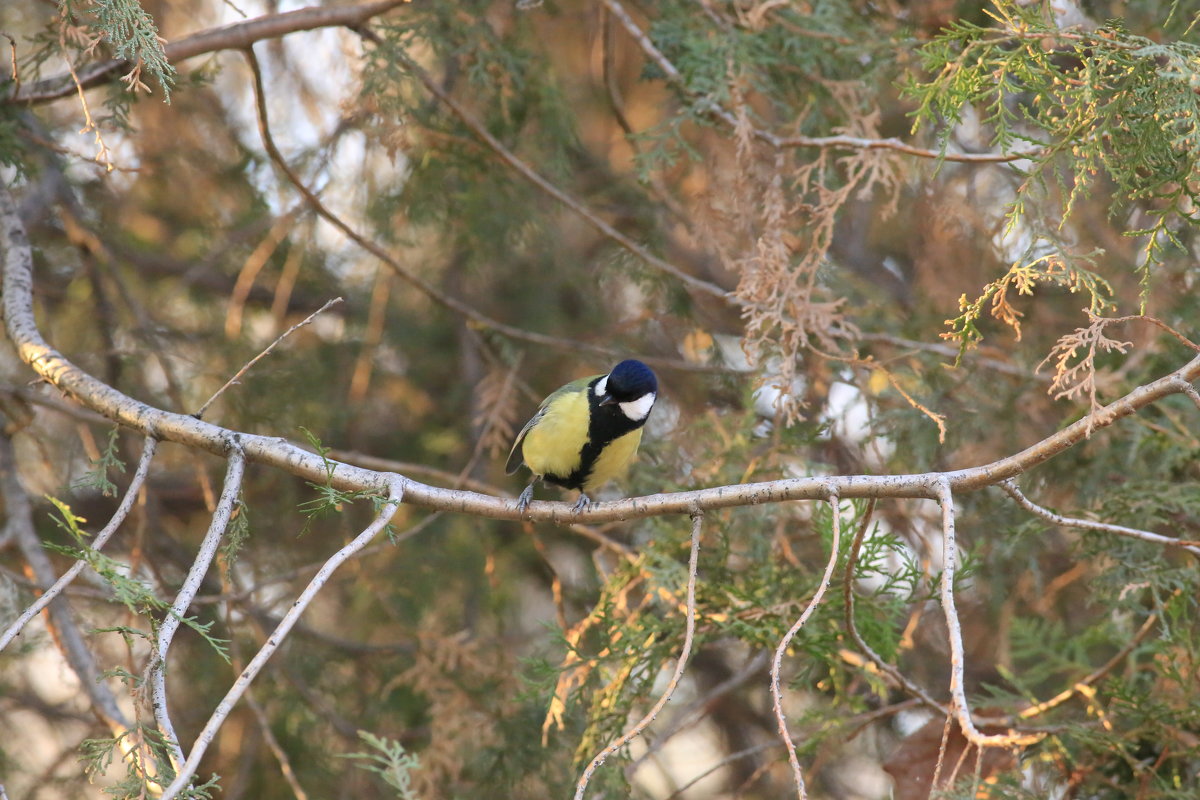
1074, 356
775, 231
496, 408
450, 671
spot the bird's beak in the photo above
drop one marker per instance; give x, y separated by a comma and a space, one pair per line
608, 400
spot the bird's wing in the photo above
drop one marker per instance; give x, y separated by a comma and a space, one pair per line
515, 456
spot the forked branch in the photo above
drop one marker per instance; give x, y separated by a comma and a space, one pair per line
149, 446
680, 665
786, 641
187, 592
395, 495
958, 696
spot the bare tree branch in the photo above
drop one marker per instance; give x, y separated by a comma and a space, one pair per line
395, 495
183, 601
958, 696
1011, 489
785, 642
187, 430
680, 665
235, 36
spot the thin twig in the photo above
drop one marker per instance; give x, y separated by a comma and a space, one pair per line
426, 288
1012, 490
958, 696
1158, 323
680, 664
15, 78
200, 414
891, 671
213, 726
149, 445
69, 638
841, 142
950, 351
777, 661
534, 177
183, 601
1080, 685
936, 780
281, 756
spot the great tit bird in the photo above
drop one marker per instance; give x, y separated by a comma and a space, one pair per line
586, 433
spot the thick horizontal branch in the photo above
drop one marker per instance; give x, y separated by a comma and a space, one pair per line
191, 432
236, 36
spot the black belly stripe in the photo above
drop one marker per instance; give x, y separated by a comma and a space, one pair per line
606, 424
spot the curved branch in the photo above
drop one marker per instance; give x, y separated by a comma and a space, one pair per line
1012, 490
534, 177
135, 486
191, 584
958, 695
275, 452
235, 36
777, 661
680, 665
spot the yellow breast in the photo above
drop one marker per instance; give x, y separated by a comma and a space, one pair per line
614, 460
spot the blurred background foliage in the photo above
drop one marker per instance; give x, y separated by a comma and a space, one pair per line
865, 297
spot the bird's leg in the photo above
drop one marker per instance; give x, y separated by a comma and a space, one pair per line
527, 496
582, 503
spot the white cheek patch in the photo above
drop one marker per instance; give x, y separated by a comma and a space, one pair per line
637, 410
601, 387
